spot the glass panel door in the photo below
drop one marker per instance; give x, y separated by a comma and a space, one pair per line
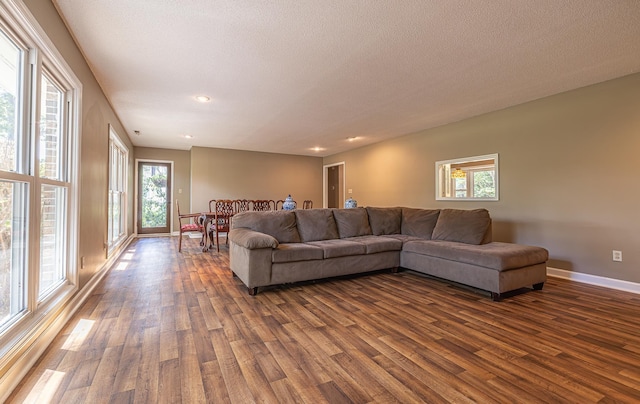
154, 197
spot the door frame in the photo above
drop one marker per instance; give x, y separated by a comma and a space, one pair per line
342, 181
136, 194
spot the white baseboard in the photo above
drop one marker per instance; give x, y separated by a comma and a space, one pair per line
595, 280
24, 362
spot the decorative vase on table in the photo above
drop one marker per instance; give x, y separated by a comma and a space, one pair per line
289, 203
350, 203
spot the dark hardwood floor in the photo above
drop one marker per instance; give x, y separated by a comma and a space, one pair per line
171, 327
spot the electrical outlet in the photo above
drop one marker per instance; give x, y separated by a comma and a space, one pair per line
617, 256
350, 191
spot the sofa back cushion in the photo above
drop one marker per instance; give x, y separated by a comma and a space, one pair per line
352, 222
280, 224
464, 226
419, 222
385, 220
316, 224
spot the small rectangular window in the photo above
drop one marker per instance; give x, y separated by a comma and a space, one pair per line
470, 178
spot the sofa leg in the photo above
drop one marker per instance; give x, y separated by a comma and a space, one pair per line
253, 291
394, 270
538, 286
496, 297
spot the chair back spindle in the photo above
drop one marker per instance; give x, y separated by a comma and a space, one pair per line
263, 205
242, 205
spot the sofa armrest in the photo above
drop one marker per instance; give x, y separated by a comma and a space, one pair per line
252, 240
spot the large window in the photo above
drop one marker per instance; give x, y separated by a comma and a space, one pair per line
118, 174
39, 101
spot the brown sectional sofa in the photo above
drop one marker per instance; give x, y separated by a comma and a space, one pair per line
277, 247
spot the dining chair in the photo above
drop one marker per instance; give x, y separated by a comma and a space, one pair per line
223, 210
308, 204
263, 205
241, 205
188, 223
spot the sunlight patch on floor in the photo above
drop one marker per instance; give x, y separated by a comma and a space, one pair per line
46, 387
78, 335
121, 266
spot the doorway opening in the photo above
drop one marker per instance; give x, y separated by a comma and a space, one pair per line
154, 197
333, 185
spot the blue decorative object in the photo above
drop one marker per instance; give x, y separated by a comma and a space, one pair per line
289, 203
350, 203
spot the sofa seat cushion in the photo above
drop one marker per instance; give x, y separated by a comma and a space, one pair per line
291, 252
352, 222
465, 226
495, 255
316, 224
339, 248
384, 220
280, 224
376, 244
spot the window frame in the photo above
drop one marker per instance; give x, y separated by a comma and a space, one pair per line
40, 55
445, 186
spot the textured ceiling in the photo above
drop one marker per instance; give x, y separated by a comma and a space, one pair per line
288, 75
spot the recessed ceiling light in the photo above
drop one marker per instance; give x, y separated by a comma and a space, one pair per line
352, 138
203, 98
317, 149
187, 136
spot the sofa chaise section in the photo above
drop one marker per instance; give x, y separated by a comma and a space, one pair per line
495, 267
